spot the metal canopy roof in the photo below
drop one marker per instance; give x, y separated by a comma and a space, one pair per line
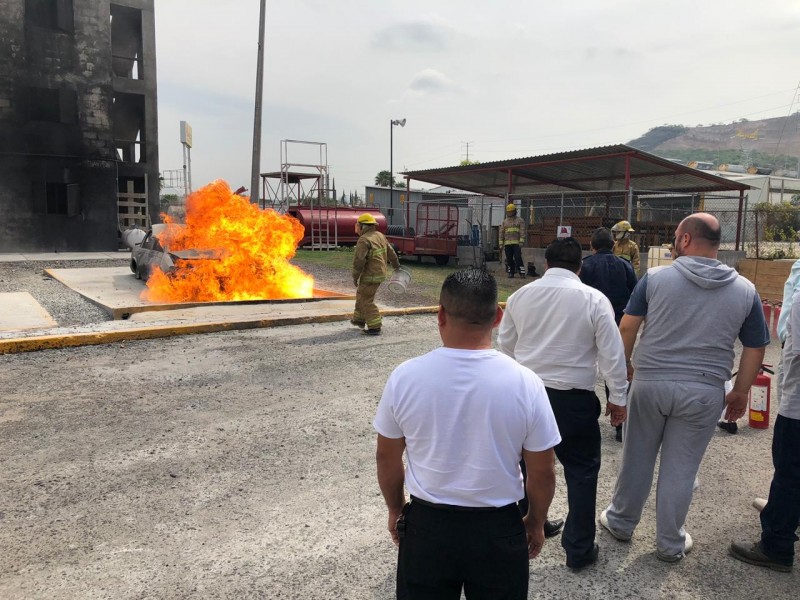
292, 177
607, 168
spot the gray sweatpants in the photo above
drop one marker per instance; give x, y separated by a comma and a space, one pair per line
679, 418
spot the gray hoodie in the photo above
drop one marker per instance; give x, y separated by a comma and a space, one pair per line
695, 309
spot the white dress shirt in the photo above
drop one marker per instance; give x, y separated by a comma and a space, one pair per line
564, 330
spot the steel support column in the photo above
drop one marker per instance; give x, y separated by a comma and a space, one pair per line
739, 220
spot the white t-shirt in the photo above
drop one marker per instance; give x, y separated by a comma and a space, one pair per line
466, 415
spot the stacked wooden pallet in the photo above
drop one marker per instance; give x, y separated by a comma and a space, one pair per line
653, 233
541, 234
768, 276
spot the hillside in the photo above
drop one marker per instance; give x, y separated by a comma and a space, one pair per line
771, 143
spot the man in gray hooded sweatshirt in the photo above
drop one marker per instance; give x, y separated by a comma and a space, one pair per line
692, 310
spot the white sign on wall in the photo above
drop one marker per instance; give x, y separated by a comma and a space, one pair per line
564, 231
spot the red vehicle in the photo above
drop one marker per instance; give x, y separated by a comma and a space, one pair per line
435, 233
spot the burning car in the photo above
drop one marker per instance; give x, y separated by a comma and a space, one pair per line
150, 253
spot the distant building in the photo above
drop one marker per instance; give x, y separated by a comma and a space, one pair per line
771, 189
78, 123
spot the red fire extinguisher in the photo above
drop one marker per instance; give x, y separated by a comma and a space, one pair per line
758, 402
767, 308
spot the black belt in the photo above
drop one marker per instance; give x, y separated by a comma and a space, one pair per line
454, 508
573, 391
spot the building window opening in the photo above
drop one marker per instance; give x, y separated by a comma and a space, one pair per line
129, 134
63, 198
50, 14
44, 105
53, 105
56, 198
126, 42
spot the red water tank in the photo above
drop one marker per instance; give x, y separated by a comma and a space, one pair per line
333, 225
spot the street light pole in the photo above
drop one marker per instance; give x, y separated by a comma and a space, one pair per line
392, 123
255, 171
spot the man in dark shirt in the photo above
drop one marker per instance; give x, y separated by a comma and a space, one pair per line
611, 275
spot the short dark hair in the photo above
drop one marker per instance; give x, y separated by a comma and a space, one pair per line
699, 228
565, 253
602, 239
470, 296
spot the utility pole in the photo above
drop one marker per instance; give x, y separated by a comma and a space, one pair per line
255, 173
467, 146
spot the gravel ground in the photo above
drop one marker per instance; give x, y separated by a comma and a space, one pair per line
70, 309
241, 465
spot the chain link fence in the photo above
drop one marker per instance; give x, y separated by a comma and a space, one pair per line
764, 231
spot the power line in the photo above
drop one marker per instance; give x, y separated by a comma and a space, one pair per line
794, 98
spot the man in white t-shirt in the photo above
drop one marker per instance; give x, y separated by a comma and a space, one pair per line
465, 415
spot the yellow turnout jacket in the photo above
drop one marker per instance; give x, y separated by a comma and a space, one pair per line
373, 253
512, 231
628, 250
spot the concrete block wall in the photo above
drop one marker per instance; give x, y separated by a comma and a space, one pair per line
76, 149
470, 256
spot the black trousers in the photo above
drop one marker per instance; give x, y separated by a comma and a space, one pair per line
576, 413
514, 259
781, 515
444, 550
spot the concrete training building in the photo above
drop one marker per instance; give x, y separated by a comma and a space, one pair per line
78, 123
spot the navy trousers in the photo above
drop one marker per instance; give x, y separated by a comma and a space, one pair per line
781, 515
576, 413
514, 259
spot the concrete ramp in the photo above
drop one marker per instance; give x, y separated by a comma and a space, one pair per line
20, 311
116, 290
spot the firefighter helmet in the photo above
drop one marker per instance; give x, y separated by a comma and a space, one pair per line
511, 208
622, 226
367, 219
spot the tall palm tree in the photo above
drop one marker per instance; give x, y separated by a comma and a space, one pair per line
384, 178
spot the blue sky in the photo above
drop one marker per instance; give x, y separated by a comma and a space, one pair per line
512, 78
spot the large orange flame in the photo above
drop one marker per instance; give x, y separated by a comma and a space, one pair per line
253, 248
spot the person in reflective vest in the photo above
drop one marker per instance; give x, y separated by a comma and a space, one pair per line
372, 254
512, 237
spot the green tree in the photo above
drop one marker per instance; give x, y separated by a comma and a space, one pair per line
466, 163
780, 222
383, 178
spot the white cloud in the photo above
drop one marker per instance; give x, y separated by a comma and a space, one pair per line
414, 36
431, 81
513, 78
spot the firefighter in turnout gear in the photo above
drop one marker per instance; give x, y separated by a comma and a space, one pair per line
372, 254
512, 237
624, 246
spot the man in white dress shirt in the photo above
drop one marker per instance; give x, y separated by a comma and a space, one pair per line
564, 330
